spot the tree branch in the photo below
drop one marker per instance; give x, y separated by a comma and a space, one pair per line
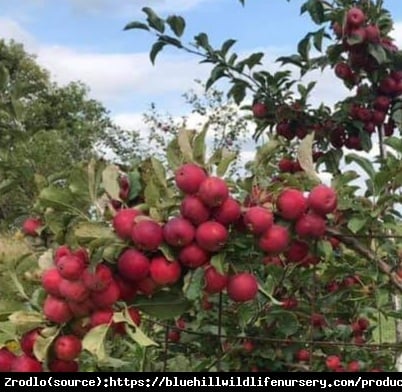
367, 253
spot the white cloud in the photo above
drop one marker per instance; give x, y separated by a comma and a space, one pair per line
12, 30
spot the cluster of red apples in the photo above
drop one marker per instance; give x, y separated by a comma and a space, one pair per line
372, 103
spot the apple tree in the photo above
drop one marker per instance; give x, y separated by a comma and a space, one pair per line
176, 264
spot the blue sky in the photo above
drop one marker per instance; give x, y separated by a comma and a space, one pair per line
84, 40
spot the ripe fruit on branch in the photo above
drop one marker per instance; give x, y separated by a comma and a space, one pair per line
28, 340
213, 191
6, 360
211, 236
259, 110
355, 17
322, 199
133, 265
67, 347
51, 280
106, 297
178, 232
123, 222
99, 279
275, 240
310, 226
193, 256
242, 287
258, 219
215, 282
333, 362
25, 364
193, 209
56, 310
70, 267
343, 71
297, 251
291, 204
147, 234
189, 176
31, 226
60, 366
303, 355
229, 212
73, 290
164, 272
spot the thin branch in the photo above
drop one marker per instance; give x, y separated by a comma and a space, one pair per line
369, 254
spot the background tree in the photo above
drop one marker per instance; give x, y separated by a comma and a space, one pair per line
46, 129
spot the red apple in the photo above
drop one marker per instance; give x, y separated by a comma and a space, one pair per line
123, 222
147, 234
51, 280
25, 364
297, 251
98, 278
211, 236
60, 366
178, 232
275, 240
215, 282
128, 289
6, 360
258, 219
193, 256
62, 250
242, 287
67, 347
133, 265
355, 17
302, 355
28, 341
57, 310
291, 204
229, 212
259, 110
193, 209
213, 191
189, 176
322, 199
101, 317
164, 272
73, 290
31, 226
71, 267
311, 226
107, 297
333, 362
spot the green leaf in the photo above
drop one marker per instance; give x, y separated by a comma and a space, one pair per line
202, 41
9, 306
171, 41
163, 305
89, 231
152, 194
355, 224
134, 179
184, 141
238, 91
315, 9
217, 72
218, 262
294, 59
173, 154
325, 249
136, 25
156, 48
363, 163
378, 52
94, 341
159, 171
110, 180
177, 24
199, 149
154, 20
318, 38
44, 342
305, 157
167, 252
227, 158
4, 77
7, 332
26, 320
304, 46
227, 45
194, 282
